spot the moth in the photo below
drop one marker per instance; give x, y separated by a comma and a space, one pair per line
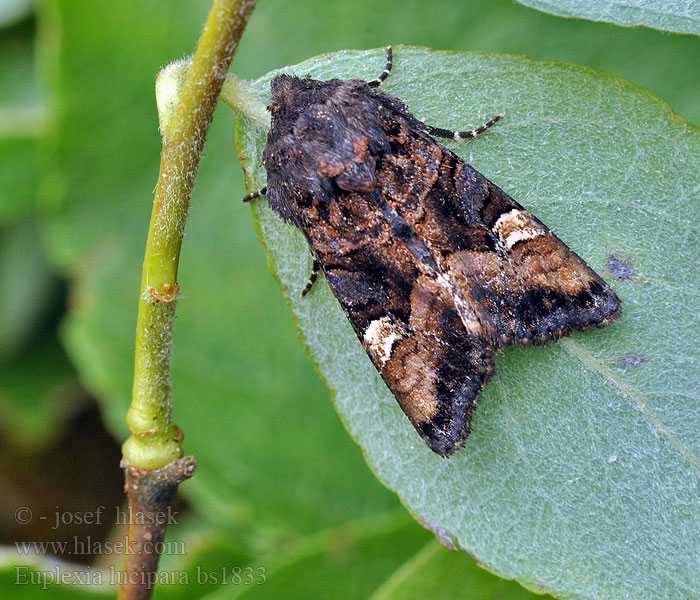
435, 267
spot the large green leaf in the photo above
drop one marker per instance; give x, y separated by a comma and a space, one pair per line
348, 562
275, 462
31, 408
580, 477
436, 572
681, 17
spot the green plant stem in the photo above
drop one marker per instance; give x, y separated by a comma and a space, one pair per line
153, 462
237, 94
155, 439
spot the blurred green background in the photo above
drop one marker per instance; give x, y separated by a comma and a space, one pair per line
280, 483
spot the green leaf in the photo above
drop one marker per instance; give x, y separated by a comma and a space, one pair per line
22, 120
27, 287
274, 459
580, 449
348, 562
436, 572
34, 408
681, 17
201, 560
12, 11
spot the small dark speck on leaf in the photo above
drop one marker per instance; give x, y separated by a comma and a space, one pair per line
620, 267
632, 360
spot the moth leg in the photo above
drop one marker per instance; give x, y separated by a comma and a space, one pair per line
387, 69
463, 135
254, 195
315, 268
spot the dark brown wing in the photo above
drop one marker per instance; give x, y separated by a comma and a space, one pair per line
528, 284
435, 267
406, 320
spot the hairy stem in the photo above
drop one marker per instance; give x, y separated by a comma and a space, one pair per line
155, 439
155, 446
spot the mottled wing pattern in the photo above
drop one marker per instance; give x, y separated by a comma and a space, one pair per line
435, 267
406, 321
530, 287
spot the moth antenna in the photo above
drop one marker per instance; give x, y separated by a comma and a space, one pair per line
315, 268
463, 135
254, 195
387, 69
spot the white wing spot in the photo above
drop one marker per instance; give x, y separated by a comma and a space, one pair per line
515, 226
380, 337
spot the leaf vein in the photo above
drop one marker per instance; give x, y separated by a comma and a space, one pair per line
593, 364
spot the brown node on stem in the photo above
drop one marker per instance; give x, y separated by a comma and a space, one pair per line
168, 294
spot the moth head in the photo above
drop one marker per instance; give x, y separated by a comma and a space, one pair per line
288, 91
292, 94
